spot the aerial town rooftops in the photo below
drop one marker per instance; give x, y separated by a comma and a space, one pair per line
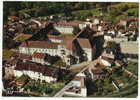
55, 37
132, 19
29, 66
11, 62
24, 56
84, 43
110, 60
69, 23
39, 44
98, 71
38, 55
86, 32
13, 17
68, 42
119, 63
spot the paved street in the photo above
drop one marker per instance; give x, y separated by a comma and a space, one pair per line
78, 66
62, 91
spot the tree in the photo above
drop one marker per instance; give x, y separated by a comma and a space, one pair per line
76, 30
60, 63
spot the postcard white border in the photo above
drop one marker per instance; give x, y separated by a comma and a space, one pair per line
51, 98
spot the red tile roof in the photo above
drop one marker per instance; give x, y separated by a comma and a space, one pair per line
29, 66
24, 56
132, 19
84, 43
14, 17
40, 44
97, 71
68, 42
55, 37
38, 55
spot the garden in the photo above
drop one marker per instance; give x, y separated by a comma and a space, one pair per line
43, 88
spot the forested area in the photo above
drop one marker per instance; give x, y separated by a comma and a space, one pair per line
79, 10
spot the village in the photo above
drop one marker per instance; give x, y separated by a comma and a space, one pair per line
69, 58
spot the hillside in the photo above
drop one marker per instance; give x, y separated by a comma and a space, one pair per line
111, 11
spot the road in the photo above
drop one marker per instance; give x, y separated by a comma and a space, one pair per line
61, 92
78, 66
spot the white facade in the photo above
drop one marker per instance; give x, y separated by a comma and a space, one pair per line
105, 62
26, 50
18, 73
85, 24
64, 29
63, 52
100, 28
123, 22
81, 26
78, 83
84, 91
111, 31
89, 53
38, 60
56, 40
34, 75
107, 38
96, 21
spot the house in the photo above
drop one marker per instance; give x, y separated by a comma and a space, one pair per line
112, 32
96, 70
99, 72
119, 63
78, 86
128, 22
13, 18
95, 38
9, 67
55, 38
36, 21
95, 20
35, 71
108, 52
65, 49
41, 32
80, 48
87, 23
108, 37
83, 49
122, 22
65, 27
23, 56
29, 47
121, 32
38, 57
106, 61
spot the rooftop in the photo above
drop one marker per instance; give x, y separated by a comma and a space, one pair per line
38, 55
84, 43
39, 44
69, 23
30, 66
